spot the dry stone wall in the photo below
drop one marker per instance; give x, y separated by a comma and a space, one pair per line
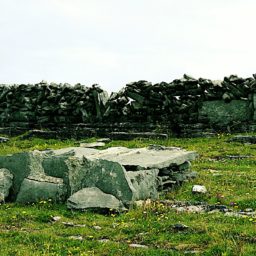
182, 106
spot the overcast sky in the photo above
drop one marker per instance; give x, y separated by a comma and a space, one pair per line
114, 42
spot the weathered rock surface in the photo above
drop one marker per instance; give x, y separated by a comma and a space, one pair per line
108, 176
93, 197
92, 145
141, 158
5, 183
145, 158
221, 114
199, 189
36, 188
22, 165
128, 175
145, 183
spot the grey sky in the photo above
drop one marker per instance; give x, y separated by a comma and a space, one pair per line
113, 42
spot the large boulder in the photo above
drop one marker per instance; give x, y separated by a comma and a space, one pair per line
5, 183
91, 198
41, 187
21, 165
108, 176
77, 172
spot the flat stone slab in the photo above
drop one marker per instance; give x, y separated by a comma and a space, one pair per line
92, 145
144, 158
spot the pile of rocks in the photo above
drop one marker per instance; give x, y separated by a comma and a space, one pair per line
183, 107
89, 178
177, 102
49, 105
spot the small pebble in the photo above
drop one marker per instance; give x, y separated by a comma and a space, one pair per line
76, 238
56, 218
138, 246
97, 227
180, 227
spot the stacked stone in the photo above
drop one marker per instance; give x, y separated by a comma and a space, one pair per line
50, 104
184, 105
177, 103
162, 102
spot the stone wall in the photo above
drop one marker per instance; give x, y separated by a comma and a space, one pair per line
178, 107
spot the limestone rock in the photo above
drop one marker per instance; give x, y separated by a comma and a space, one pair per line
108, 176
21, 165
5, 183
199, 189
138, 246
93, 197
3, 139
144, 158
145, 183
92, 145
221, 114
39, 187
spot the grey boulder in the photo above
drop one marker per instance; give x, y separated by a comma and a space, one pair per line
22, 165
108, 176
37, 188
5, 183
93, 197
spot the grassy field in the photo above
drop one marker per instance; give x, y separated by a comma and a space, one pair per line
30, 230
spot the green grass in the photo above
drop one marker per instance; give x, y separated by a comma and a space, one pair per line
28, 230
